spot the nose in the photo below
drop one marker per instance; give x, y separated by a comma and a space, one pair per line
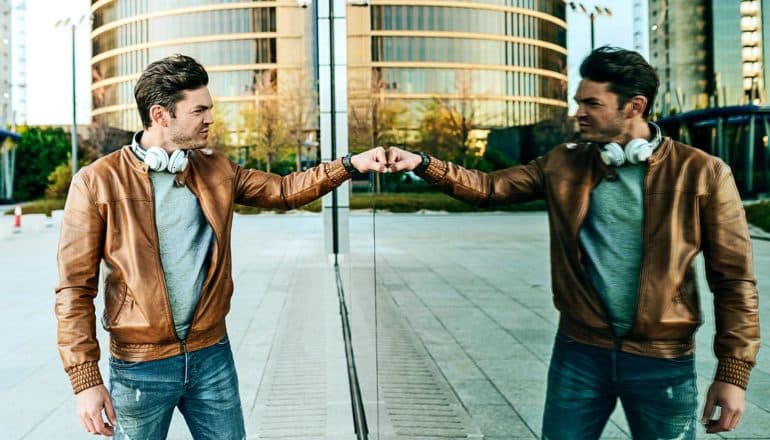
581, 111
208, 117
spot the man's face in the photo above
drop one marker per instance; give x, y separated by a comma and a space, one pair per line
189, 129
598, 114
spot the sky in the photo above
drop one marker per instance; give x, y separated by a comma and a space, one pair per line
49, 54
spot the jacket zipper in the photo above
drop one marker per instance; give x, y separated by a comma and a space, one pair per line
645, 244
170, 316
206, 216
616, 341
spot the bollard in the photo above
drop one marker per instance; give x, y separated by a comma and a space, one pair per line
17, 219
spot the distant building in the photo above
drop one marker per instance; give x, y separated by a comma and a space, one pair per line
241, 44
6, 62
505, 58
710, 52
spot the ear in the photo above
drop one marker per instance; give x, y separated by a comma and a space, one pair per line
159, 115
637, 105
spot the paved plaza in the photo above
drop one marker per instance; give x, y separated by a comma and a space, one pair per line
451, 320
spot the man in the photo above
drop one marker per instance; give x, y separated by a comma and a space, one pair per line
628, 211
158, 214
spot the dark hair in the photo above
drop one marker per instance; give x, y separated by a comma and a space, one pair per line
164, 81
627, 72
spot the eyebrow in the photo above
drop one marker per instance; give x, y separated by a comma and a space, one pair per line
203, 107
589, 100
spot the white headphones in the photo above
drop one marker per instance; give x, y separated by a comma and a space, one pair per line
635, 151
157, 159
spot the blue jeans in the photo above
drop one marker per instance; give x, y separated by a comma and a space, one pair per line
659, 396
203, 384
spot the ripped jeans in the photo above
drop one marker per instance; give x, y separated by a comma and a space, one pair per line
203, 384
659, 396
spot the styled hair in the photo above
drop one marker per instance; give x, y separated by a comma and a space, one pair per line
626, 71
163, 82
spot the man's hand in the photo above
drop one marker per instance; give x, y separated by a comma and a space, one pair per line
731, 399
90, 403
371, 160
402, 160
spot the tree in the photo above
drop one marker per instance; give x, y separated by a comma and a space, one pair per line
299, 111
447, 121
380, 122
263, 124
39, 152
105, 139
220, 134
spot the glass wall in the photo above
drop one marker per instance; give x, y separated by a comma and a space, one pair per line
510, 59
147, 31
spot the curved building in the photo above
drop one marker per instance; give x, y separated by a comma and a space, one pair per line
237, 42
508, 57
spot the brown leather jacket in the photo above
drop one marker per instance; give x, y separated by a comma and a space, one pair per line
691, 204
109, 217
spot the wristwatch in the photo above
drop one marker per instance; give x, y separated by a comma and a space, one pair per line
348, 165
424, 164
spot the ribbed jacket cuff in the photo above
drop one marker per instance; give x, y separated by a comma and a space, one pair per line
85, 376
436, 171
734, 371
336, 171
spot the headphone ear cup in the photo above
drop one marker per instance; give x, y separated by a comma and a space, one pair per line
612, 154
177, 162
638, 150
156, 158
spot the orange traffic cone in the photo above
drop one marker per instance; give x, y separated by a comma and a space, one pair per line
17, 219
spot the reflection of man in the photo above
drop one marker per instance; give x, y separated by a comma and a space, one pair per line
628, 211
158, 213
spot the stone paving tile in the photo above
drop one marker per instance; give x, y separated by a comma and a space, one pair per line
500, 420
505, 276
473, 288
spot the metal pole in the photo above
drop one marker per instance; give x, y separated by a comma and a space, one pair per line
591, 16
765, 154
74, 135
750, 154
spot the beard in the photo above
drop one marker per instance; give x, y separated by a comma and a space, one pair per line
187, 142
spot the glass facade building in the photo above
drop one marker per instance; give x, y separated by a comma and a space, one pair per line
236, 41
709, 52
508, 57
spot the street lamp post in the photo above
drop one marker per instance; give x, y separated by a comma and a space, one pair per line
73, 25
592, 14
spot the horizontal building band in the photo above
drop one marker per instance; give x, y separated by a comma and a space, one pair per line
182, 41
471, 36
223, 84
210, 69
216, 99
450, 96
466, 66
187, 26
449, 50
217, 53
472, 5
179, 11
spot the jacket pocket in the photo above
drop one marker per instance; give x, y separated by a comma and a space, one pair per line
114, 300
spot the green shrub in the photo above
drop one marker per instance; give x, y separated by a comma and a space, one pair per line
758, 214
42, 206
39, 152
413, 202
59, 182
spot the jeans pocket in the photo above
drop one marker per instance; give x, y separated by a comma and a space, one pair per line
224, 341
119, 363
683, 360
564, 339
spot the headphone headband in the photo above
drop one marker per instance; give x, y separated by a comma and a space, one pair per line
157, 159
635, 151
